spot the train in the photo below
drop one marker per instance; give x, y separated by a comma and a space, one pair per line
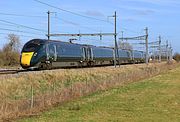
49, 54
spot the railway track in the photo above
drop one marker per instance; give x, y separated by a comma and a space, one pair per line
17, 71
11, 71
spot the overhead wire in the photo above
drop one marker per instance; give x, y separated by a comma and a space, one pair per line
77, 25
17, 35
74, 13
6, 29
131, 30
20, 25
24, 26
21, 15
37, 16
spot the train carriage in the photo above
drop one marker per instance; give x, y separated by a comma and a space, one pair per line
103, 55
124, 56
138, 56
48, 54
64, 54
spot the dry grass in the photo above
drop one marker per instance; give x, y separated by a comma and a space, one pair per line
57, 86
154, 99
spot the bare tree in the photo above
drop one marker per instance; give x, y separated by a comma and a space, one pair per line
10, 52
14, 42
125, 45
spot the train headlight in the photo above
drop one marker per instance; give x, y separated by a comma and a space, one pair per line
35, 54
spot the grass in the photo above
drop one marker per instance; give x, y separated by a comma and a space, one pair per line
19, 87
156, 100
24, 94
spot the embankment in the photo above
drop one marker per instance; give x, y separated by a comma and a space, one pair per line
29, 94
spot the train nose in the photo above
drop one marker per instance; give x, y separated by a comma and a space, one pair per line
26, 58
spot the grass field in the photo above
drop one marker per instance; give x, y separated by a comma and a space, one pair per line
155, 99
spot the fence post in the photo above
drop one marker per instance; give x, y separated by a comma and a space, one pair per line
32, 96
54, 88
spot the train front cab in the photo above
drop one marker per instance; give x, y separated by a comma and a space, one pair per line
32, 53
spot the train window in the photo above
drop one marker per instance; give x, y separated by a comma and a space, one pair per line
51, 49
83, 53
31, 47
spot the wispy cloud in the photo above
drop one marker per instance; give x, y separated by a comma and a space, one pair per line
139, 10
146, 12
94, 13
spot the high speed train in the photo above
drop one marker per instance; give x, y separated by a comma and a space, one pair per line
49, 54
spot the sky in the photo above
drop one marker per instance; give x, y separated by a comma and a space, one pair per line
28, 20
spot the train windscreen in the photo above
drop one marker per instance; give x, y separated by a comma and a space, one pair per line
32, 46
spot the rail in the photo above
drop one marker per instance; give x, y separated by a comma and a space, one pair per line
11, 71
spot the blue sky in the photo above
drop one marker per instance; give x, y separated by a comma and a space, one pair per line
162, 17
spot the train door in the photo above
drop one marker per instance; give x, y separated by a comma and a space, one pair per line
90, 54
52, 52
84, 53
87, 54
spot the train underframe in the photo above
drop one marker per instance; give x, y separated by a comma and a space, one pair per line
71, 64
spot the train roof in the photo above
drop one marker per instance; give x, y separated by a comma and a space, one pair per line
37, 41
43, 41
